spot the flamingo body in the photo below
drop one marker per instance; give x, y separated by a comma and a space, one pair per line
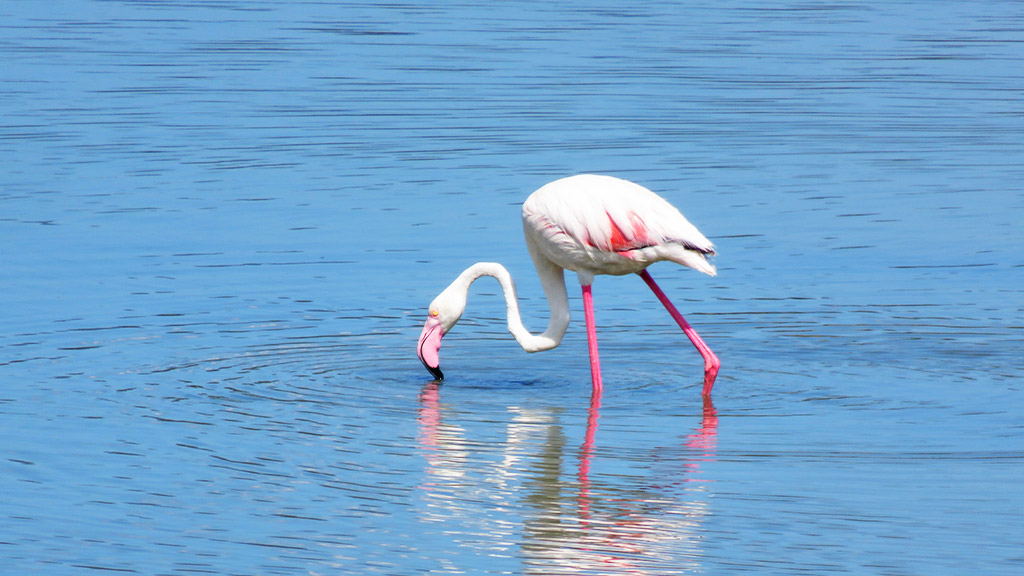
592, 225
605, 225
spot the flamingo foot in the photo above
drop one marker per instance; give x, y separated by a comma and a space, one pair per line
711, 366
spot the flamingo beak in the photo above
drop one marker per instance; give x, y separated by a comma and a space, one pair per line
429, 347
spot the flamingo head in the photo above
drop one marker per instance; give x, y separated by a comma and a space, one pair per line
443, 313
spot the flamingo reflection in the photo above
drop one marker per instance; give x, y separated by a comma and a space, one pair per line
608, 523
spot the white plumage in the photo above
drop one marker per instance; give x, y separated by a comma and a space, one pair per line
606, 225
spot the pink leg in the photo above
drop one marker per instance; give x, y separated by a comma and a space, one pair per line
711, 363
595, 362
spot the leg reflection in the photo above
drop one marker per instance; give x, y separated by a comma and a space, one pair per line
586, 454
622, 526
703, 440
513, 490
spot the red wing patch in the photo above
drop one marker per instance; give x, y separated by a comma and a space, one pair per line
630, 239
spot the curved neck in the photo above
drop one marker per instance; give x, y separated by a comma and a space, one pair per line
552, 278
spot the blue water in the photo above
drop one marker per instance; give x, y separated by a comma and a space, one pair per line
221, 223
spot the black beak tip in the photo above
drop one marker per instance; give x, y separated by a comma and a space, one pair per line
435, 372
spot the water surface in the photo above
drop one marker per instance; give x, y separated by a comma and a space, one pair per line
221, 223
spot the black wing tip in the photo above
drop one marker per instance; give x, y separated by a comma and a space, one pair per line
708, 250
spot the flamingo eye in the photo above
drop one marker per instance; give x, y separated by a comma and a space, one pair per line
434, 313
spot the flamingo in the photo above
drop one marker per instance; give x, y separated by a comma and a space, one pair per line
590, 224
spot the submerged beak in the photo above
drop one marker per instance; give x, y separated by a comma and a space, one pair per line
429, 347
